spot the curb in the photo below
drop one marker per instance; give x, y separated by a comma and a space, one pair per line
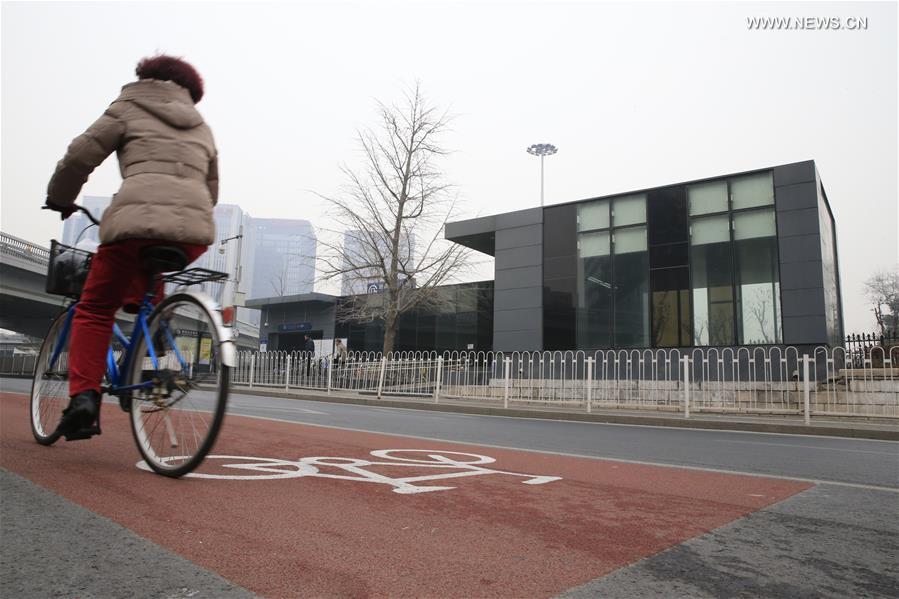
885, 434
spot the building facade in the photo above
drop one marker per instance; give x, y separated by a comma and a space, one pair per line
78, 228
463, 321
284, 253
735, 260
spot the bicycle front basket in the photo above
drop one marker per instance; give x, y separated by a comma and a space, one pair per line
68, 269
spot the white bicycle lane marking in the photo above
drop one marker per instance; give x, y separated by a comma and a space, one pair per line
462, 465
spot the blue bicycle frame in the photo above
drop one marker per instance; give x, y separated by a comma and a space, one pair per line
113, 372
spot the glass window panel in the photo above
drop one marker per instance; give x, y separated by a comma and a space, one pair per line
594, 310
671, 321
594, 288
630, 240
752, 190
631, 292
593, 244
751, 225
593, 215
704, 198
714, 229
713, 301
666, 256
668, 215
758, 291
629, 210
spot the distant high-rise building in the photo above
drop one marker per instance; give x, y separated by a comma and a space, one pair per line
284, 257
277, 256
78, 228
357, 250
223, 257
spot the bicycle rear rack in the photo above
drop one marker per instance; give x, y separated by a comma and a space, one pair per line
194, 276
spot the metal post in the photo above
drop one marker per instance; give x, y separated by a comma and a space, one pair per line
589, 385
237, 271
806, 390
439, 379
381, 377
541, 181
252, 368
331, 362
507, 374
287, 375
686, 386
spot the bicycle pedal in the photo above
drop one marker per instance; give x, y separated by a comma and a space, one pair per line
84, 433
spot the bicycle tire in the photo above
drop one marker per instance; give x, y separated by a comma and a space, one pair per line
42, 407
147, 404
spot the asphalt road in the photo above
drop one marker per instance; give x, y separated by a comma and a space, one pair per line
835, 539
825, 459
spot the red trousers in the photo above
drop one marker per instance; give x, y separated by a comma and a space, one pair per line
116, 279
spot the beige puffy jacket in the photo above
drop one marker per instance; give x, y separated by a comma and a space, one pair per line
167, 159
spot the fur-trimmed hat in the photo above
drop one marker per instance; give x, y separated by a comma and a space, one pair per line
170, 68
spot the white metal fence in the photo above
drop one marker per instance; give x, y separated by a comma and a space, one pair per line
17, 364
744, 380
739, 380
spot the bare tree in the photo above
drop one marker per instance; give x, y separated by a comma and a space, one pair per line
280, 280
882, 290
759, 309
395, 209
279, 284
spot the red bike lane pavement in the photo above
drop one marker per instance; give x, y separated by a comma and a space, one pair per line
290, 530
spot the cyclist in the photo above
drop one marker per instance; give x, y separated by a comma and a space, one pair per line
169, 165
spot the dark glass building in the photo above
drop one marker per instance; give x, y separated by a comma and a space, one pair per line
461, 320
742, 259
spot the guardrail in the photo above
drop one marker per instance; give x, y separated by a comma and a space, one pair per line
19, 248
744, 380
17, 364
826, 382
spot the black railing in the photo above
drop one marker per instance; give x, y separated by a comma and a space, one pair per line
872, 347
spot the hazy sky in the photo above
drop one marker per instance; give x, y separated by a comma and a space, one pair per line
634, 95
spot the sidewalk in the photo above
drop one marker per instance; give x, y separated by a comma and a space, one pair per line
863, 428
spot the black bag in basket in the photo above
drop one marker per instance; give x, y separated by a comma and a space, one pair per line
68, 269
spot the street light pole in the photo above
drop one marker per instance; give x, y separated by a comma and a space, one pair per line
237, 270
542, 150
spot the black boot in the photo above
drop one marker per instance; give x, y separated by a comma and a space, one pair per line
81, 420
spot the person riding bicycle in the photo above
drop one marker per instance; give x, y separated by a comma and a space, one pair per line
169, 166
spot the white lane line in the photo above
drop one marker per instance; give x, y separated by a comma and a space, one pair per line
289, 410
815, 481
816, 448
594, 423
438, 416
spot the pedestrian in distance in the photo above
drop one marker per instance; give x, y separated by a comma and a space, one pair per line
339, 350
340, 354
169, 166
309, 350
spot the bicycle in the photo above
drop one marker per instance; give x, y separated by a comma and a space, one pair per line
174, 348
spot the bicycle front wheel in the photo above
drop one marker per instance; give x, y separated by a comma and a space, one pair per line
179, 404
50, 387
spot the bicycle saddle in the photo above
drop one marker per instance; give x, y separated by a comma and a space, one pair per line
163, 258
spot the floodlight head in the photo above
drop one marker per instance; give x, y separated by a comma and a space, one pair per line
542, 149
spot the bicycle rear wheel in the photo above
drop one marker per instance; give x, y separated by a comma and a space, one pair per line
50, 387
177, 412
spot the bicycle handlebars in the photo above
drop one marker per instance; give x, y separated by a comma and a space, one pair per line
79, 208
